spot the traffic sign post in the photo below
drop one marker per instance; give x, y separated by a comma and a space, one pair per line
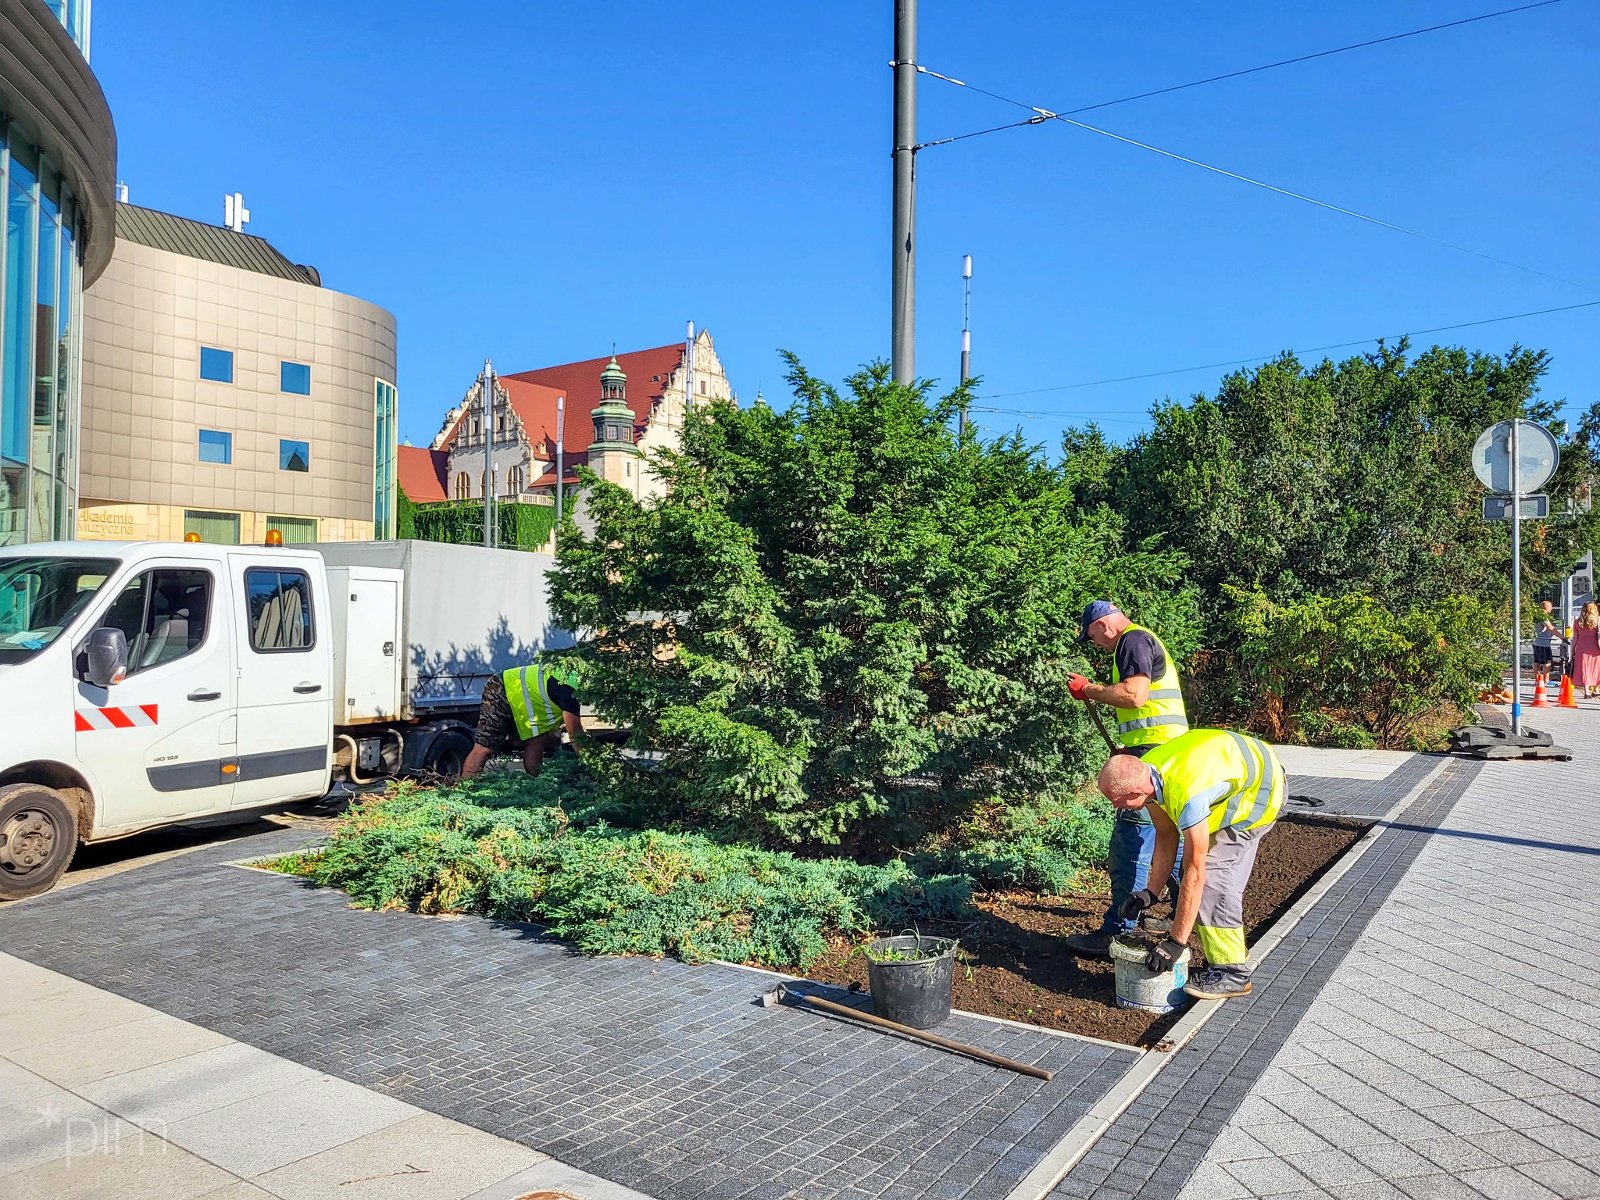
1516, 457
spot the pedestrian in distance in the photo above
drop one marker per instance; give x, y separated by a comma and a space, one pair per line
1586, 650
524, 711
1216, 793
1544, 639
1146, 693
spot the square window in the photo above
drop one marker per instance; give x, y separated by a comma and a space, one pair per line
216, 447
294, 377
213, 528
293, 456
216, 365
295, 530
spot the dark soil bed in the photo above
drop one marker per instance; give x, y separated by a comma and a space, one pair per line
1014, 965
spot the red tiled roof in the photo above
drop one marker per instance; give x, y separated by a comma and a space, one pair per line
647, 372
423, 473
534, 394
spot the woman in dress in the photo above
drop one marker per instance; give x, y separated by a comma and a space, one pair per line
1586, 650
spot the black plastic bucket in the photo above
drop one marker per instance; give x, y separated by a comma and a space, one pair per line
914, 992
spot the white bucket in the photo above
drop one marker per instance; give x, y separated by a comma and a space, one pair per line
1140, 987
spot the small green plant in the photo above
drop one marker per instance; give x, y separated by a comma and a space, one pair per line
916, 953
486, 847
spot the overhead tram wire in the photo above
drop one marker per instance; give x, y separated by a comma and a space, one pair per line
1046, 114
1239, 362
1289, 62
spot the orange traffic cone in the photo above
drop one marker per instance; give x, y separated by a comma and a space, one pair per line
1568, 700
1538, 694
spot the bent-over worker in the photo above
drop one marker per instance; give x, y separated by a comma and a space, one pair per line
524, 709
1220, 791
1145, 690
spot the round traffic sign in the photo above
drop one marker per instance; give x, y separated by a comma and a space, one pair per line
1536, 448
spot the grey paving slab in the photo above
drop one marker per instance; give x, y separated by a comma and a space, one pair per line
1346, 797
1206, 1096
668, 1079
1465, 1003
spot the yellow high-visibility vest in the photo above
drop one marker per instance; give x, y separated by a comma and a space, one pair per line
1162, 716
1199, 760
528, 694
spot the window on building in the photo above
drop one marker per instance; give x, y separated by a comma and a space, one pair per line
214, 528
296, 531
702, 387
463, 486
294, 377
293, 455
216, 365
514, 481
216, 447
385, 451
278, 606
163, 614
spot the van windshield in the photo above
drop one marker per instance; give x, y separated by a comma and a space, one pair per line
41, 597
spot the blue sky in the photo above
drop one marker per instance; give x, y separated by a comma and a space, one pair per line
534, 181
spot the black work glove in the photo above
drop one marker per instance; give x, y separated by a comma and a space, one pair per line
1135, 904
1165, 956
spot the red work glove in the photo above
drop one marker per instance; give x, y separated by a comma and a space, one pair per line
1076, 685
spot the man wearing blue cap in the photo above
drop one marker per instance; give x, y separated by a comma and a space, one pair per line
1146, 693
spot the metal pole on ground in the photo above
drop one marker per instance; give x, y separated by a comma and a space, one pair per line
1516, 579
966, 334
561, 450
903, 275
487, 407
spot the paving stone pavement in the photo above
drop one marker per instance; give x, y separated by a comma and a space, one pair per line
1348, 797
1152, 1149
1438, 1040
667, 1078
1455, 1051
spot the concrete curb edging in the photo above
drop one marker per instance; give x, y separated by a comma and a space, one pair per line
1080, 1139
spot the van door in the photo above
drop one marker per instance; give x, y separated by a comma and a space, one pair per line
160, 742
285, 679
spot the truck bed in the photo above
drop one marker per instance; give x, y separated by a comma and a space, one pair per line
466, 613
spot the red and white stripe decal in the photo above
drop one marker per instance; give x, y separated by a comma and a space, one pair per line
87, 720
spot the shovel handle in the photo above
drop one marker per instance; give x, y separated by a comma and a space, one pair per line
1010, 1064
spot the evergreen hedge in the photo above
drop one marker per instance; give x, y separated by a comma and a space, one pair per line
522, 526
539, 850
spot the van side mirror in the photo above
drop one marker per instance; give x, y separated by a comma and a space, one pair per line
107, 652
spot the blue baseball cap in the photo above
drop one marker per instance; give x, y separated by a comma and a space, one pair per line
1096, 610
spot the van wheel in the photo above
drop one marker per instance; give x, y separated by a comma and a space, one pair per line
38, 837
448, 754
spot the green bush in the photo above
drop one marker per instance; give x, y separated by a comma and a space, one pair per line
522, 526
843, 626
1041, 846
1351, 671
487, 847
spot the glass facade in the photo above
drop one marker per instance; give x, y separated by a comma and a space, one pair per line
385, 450
74, 14
39, 309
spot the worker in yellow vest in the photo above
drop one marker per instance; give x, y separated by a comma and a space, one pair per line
1148, 698
524, 710
1216, 793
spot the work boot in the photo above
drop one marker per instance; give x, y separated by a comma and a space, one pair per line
1217, 984
1091, 945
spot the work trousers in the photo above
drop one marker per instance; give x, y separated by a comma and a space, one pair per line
1220, 924
1133, 843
